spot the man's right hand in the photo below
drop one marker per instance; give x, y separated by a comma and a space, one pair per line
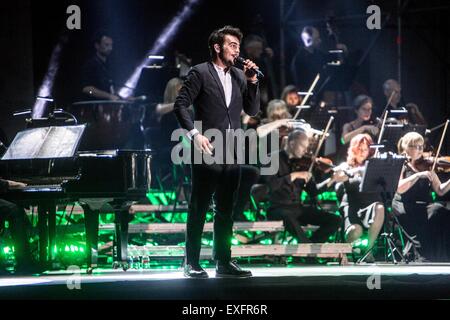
303, 175
202, 144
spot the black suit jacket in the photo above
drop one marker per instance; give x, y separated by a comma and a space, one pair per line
204, 91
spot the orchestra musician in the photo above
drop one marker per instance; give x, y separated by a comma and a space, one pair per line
364, 122
97, 79
286, 187
393, 93
362, 211
414, 194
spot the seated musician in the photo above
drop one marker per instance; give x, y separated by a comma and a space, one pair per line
362, 211
393, 94
17, 218
363, 123
414, 195
291, 97
278, 116
97, 81
285, 189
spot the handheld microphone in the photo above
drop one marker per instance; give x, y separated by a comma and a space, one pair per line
250, 72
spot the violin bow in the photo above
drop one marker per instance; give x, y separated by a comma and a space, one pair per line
305, 99
440, 145
380, 136
388, 102
319, 145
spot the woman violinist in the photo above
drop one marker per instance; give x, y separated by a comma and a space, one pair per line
363, 123
361, 211
414, 193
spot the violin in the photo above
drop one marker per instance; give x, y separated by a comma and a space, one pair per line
438, 164
324, 165
426, 164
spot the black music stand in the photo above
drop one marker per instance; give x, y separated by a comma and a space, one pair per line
393, 132
381, 175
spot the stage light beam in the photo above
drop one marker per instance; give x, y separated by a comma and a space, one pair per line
168, 33
47, 85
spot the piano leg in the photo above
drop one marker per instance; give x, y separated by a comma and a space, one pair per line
51, 211
91, 225
47, 233
122, 219
43, 234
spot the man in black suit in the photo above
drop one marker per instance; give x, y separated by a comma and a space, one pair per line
219, 92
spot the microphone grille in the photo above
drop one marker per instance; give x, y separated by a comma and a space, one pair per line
239, 59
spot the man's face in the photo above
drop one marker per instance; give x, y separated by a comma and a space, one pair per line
299, 147
365, 111
229, 51
293, 99
254, 50
105, 46
389, 88
311, 40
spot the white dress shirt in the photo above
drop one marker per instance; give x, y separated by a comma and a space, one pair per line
225, 80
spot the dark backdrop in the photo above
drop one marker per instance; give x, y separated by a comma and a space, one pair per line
30, 30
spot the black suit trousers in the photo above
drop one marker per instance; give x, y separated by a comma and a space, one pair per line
218, 182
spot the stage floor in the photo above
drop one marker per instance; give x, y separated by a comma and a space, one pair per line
278, 282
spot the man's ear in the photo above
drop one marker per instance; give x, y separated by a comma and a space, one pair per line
217, 48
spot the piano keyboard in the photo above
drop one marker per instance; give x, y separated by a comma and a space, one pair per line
42, 188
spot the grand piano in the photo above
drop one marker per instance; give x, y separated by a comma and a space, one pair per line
47, 159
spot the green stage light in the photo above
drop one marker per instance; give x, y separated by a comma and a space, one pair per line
266, 241
163, 198
304, 196
153, 200
234, 242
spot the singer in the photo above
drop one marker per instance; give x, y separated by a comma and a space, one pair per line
219, 92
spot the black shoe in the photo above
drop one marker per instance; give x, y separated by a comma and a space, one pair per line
194, 271
231, 270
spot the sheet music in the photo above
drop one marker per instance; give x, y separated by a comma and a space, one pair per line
44, 143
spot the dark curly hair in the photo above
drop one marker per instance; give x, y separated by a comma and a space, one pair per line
217, 37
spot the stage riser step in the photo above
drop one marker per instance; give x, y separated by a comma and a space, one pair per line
324, 250
170, 228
